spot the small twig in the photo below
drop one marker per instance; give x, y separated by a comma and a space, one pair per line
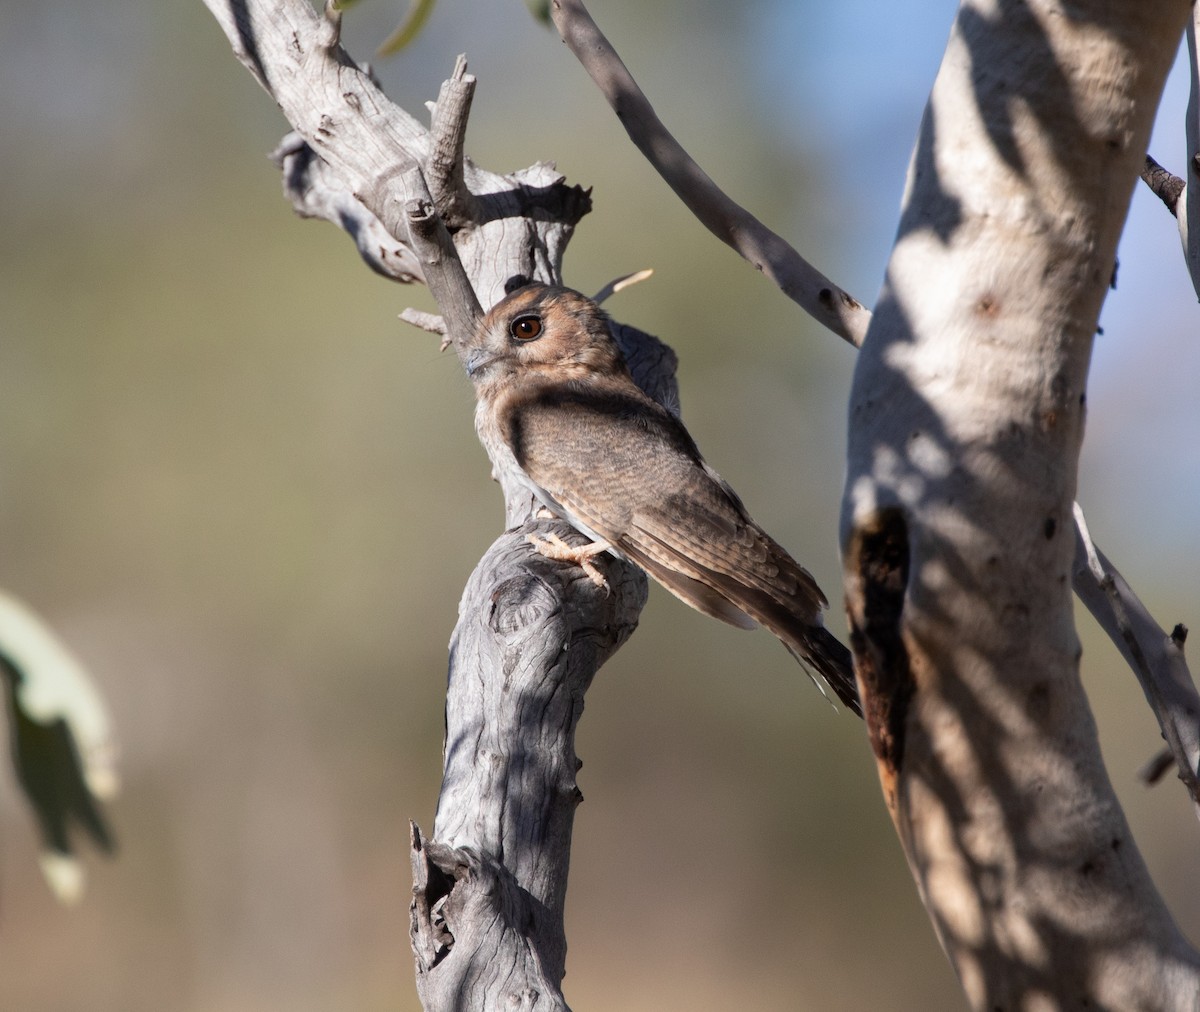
430, 322
448, 130
621, 283
726, 219
1156, 658
444, 272
1106, 582
1155, 768
1165, 185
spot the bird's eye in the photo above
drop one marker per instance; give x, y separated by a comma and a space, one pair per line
526, 328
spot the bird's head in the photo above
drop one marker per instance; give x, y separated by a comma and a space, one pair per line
543, 327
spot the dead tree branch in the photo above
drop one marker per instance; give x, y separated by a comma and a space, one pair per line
530, 634
1189, 221
1165, 185
499, 228
725, 218
1155, 657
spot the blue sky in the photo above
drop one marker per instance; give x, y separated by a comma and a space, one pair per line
860, 93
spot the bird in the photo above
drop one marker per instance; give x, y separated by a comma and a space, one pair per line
558, 408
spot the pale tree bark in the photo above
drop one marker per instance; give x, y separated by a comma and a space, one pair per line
1182, 195
1189, 220
966, 418
489, 885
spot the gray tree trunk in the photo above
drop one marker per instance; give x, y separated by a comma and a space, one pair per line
966, 418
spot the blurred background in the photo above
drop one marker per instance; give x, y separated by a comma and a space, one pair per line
249, 498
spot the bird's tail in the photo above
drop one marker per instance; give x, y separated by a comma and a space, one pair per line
818, 648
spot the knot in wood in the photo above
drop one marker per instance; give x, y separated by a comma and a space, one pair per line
519, 602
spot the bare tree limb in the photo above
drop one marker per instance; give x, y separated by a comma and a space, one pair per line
327, 98
316, 190
1189, 221
455, 203
1156, 658
726, 219
1165, 185
430, 322
531, 632
448, 281
509, 763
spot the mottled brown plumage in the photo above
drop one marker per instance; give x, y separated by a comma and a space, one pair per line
558, 407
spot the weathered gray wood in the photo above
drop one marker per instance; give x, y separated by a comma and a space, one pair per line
489, 887
713, 208
1154, 656
530, 637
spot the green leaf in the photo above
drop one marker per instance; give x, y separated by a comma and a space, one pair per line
408, 29
61, 742
540, 9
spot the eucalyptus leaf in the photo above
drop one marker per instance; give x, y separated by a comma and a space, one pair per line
540, 9
408, 29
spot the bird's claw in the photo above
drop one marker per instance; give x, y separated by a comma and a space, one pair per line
553, 547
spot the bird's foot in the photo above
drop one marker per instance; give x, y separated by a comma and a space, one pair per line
553, 547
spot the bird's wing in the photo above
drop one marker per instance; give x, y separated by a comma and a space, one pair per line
630, 472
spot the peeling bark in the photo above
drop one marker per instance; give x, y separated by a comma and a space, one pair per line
878, 560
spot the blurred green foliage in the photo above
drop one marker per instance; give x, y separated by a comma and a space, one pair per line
249, 498
408, 29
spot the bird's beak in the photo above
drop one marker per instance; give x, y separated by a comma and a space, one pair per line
478, 360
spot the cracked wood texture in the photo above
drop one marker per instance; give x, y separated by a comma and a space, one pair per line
530, 636
489, 885
966, 419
